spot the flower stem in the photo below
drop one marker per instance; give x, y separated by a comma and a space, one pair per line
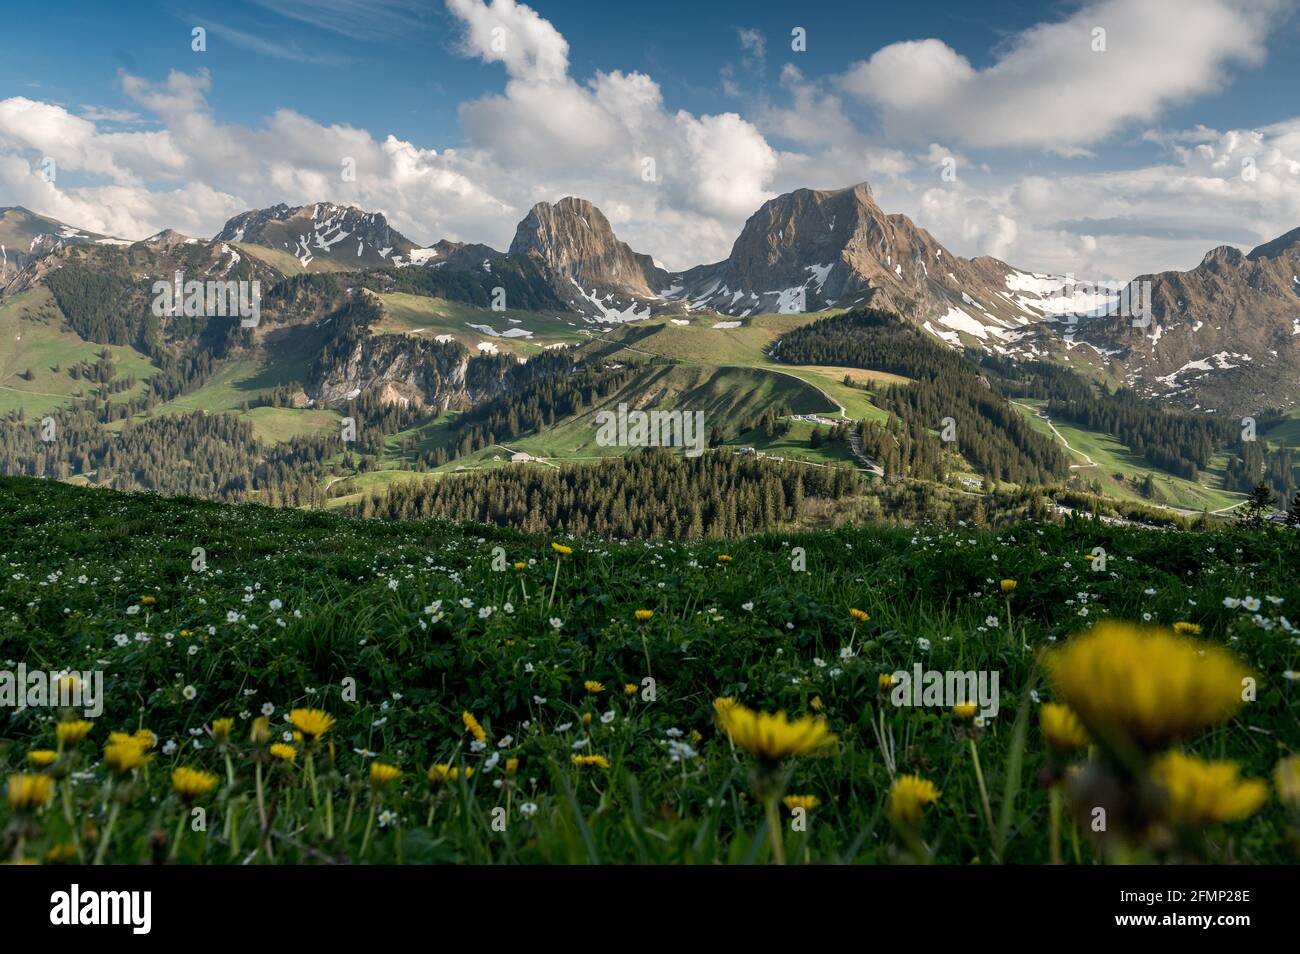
180, 833
774, 832
554, 581
370, 827
979, 777
102, 850
1055, 806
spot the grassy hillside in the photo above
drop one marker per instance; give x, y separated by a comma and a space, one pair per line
33, 338
1099, 457
523, 332
399, 630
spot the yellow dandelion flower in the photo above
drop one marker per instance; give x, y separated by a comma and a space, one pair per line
860, 615
965, 710
1007, 586
145, 738
148, 600
806, 802
381, 774
629, 688
126, 756
260, 732
1187, 629
312, 723
1200, 792
642, 615
190, 783
284, 752
724, 558
1061, 727
42, 758
1147, 684
594, 687
472, 726
74, 732
561, 549
885, 681
27, 792
591, 761
438, 774
771, 736
907, 796
815, 703
586, 718
221, 729
512, 767
723, 702
696, 738
521, 566
61, 854
1286, 778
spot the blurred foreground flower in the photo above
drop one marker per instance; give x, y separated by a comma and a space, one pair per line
1145, 686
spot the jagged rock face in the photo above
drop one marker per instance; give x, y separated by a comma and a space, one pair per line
588, 266
341, 234
430, 375
26, 236
808, 250
1224, 336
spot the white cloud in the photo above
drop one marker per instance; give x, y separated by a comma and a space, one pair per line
546, 134
1051, 88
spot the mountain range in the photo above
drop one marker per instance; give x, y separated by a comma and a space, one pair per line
1224, 336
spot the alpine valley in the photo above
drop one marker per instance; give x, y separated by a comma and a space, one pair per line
846, 364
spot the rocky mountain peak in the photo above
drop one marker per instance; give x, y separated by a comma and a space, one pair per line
574, 241
339, 233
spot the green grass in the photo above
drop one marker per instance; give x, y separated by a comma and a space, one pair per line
1111, 457
33, 337
794, 445
324, 605
429, 317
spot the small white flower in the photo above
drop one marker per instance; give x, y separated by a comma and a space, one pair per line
607, 717
564, 727
923, 644
556, 623
466, 602
748, 607
528, 809
387, 818
122, 639
194, 649
1231, 602
169, 747
275, 606
1250, 604
268, 709
189, 692
992, 622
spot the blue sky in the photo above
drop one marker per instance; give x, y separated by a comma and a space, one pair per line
1106, 161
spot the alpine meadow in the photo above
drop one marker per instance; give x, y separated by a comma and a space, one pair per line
462, 432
